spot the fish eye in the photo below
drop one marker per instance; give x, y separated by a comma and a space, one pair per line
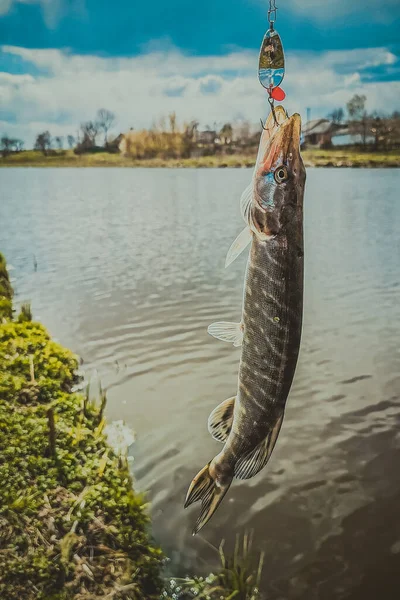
281, 174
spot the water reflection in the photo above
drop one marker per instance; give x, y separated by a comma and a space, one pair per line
130, 271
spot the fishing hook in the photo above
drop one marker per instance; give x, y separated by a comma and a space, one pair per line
271, 103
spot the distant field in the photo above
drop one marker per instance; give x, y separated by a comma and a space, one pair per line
312, 158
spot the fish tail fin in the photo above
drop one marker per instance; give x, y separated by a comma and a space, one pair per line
210, 491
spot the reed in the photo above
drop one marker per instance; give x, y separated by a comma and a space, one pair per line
238, 576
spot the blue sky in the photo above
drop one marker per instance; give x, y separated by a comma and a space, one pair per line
60, 60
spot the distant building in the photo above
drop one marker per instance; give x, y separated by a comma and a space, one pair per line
342, 137
318, 132
114, 145
125, 141
206, 137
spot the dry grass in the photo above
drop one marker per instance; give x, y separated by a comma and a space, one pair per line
312, 158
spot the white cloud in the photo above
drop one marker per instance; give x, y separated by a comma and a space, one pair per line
5, 6
71, 88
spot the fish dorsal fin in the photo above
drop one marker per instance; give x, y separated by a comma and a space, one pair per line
252, 462
227, 332
242, 241
220, 420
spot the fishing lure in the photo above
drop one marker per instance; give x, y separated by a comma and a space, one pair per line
271, 62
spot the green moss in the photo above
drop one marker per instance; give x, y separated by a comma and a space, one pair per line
6, 291
70, 523
5, 308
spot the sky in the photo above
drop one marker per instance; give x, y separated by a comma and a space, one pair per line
62, 60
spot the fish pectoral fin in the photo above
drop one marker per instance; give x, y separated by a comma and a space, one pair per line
221, 419
245, 202
252, 462
242, 241
205, 488
227, 332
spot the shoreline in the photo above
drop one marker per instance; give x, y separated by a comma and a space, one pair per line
72, 525
312, 159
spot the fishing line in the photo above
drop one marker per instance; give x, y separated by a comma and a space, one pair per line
272, 14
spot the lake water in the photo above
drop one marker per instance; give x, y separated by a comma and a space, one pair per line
130, 272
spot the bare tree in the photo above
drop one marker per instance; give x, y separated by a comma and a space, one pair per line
356, 107
358, 116
71, 141
105, 120
18, 145
6, 145
242, 132
385, 130
59, 142
172, 122
43, 142
90, 130
189, 138
226, 133
337, 115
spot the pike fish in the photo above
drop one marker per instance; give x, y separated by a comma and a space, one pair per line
269, 332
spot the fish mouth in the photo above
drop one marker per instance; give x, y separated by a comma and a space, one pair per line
288, 134
283, 144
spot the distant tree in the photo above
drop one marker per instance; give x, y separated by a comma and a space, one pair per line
6, 145
243, 132
59, 140
161, 125
18, 145
71, 141
172, 122
226, 133
385, 130
337, 115
90, 130
358, 116
105, 120
43, 142
189, 138
356, 107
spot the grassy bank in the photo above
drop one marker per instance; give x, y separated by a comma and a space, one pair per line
312, 158
71, 526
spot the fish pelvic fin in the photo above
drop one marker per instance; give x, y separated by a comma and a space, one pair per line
221, 419
210, 491
227, 332
251, 463
242, 241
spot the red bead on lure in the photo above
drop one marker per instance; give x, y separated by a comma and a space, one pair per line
278, 94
